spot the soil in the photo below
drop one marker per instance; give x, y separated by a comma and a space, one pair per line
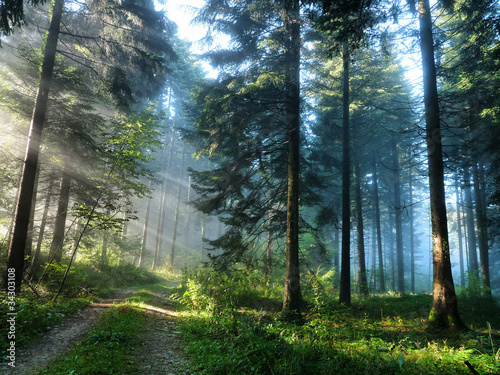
161, 352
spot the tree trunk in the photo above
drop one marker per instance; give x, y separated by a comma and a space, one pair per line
376, 203
186, 221
56, 247
292, 296
444, 312
471, 232
362, 281
412, 241
145, 228
397, 217
15, 258
36, 257
161, 221
202, 245
392, 249
178, 203
345, 267
31, 227
268, 262
104, 248
482, 230
459, 234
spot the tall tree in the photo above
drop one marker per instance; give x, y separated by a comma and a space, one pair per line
444, 312
292, 298
26, 187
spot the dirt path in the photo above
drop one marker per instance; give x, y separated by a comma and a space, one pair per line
162, 350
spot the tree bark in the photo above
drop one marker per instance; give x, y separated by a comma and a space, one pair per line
292, 296
397, 217
15, 258
362, 281
31, 226
376, 203
459, 234
56, 246
444, 312
482, 230
412, 230
345, 266
145, 228
471, 232
36, 257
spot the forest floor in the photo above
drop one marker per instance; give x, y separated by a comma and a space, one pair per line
161, 349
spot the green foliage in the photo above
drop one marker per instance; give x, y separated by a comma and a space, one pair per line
108, 347
317, 289
34, 317
473, 287
205, 289
377, 335
85, 280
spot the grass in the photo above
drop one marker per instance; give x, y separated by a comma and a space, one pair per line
34, 318
108, 348
382, 334
114, 345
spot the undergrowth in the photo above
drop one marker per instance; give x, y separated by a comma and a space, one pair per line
34, 318
233, 330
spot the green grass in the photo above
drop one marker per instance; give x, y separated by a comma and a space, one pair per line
108, 348
35, 317
384, 334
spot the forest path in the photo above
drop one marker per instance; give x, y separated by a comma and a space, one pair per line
161, 351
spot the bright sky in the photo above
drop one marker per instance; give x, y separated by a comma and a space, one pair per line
182, 13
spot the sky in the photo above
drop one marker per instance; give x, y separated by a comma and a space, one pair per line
182, 12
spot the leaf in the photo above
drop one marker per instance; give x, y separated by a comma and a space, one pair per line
401, 360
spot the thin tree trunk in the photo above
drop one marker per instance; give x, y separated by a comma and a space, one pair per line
376, 203
145, 228
392, 250
482, 231
15, 258
362, 281
292, 295
471, 232
36, 258
104, 248
177, 207
374, 253
31, 226
161, 221
186, 221
444, 312
459, 234
202, 245
56, 247
345, 267
268, 262
412, 241
159, 229
397, 217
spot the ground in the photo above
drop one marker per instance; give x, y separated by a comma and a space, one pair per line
162, 350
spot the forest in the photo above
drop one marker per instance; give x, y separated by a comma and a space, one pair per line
250, 187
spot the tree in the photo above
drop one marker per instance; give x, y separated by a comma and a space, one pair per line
26, 187
444, 312
12, 14
292, 299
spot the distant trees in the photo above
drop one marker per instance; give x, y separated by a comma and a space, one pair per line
81, 133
